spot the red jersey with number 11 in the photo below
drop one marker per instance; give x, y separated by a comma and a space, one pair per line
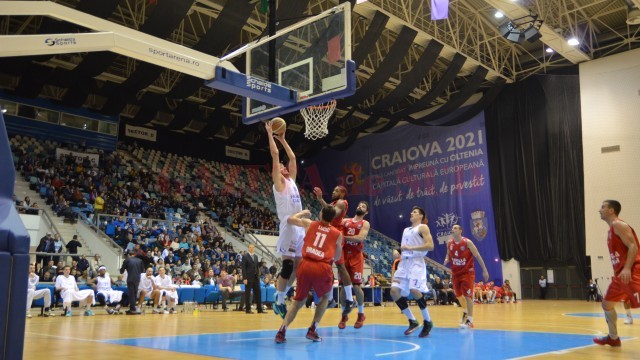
618, 251
320, 242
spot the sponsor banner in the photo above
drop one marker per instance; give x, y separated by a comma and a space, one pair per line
79, 156
140, 133
238, 153
444, 170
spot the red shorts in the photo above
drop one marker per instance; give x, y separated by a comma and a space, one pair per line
314, 275
463, 284
354, 263
629, 293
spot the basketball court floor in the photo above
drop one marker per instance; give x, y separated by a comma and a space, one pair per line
531, 329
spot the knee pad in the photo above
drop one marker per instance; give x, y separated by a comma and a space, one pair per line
402, 303
287, 269
101, 299
422, 302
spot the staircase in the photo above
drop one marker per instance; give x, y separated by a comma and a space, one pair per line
65, 230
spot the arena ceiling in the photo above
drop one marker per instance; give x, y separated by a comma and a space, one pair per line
410, 69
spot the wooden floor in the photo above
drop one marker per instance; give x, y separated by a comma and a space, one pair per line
81, 337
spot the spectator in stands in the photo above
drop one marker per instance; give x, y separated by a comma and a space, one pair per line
441, 295
96, 262
73, 245
83, 264
69, 291
57, 247
32, 293
42, 247
226, 283
592, 291
120, 282
98, 204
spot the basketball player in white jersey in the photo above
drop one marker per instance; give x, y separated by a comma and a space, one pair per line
288, 203
104, 293
411, 276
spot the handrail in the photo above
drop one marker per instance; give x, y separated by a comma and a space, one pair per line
100, 233
263, 249
169, 222
274, 258
53, 226
42, 253
272, 232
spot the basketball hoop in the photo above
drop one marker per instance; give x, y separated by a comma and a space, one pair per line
316, 119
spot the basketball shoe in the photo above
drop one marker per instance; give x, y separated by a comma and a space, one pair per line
360, 321
343, 322
413, 325
606, 340
426, 329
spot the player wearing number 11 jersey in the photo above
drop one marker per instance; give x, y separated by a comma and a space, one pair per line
322, 246
461, 251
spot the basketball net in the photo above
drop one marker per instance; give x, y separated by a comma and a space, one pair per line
316, 119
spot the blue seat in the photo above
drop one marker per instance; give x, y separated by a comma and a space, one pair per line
199, 295
185, 294
110, 230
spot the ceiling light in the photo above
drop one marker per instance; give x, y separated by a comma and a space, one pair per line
498, 15
361, 1
3, 110
573, 41
634, 17
549, 50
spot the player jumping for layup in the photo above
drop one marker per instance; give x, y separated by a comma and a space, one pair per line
287, 197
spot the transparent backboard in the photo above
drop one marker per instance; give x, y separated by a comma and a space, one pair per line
312, 57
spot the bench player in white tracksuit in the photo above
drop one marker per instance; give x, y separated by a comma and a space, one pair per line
411, 276
32, 293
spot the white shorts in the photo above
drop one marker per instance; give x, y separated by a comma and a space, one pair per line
169, 295
72, 295
290, 240
111, 296
411, 274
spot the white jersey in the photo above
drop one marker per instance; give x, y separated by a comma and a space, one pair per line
288, 200
33, 281
163, 283
103, 283
68, 283
145, 283
411, 237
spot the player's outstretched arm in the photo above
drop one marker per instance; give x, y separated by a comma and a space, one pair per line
276, 176
318, 193
292, 166
300, 219
474, 250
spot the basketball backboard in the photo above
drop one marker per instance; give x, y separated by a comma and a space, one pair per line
313, 58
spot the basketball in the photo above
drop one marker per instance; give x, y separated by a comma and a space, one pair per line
278, 125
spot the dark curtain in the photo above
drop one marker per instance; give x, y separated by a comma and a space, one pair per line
534, 138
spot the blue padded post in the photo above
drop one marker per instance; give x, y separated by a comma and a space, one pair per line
17, 306
5, 283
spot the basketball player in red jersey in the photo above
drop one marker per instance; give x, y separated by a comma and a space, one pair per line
625, 284
355, 231
340, 203
322, 246
460, 252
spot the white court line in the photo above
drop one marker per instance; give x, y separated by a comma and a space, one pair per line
563, 351
414, 347
61, 337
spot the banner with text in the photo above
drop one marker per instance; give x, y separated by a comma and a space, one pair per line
238, 153
444, 170
79, 156
140, 132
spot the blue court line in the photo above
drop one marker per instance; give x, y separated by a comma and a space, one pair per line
371, 341
621, 315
